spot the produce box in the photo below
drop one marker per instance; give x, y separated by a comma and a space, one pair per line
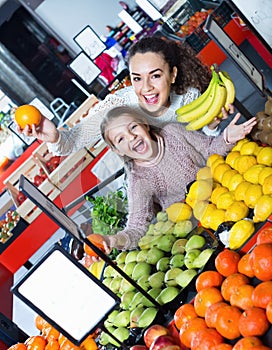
24, 207
61, 171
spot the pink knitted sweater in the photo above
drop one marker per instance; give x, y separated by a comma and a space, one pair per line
164, 183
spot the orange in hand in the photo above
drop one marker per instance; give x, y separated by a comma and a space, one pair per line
97, 240
27, 115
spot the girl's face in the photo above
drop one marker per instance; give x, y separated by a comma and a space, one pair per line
131, 138
152, 79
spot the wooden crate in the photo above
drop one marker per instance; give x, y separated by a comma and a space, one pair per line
28, 210
69, 167
81, 111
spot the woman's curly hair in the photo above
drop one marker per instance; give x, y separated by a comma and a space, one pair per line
191, 71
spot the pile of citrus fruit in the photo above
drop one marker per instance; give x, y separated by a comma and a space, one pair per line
227, 189
51, 339
233, 305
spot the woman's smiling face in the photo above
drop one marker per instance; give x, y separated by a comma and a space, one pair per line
131, 138
152, 79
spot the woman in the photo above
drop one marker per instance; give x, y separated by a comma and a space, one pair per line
159, 163
165, 75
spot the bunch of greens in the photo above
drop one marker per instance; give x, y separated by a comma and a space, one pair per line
109, 213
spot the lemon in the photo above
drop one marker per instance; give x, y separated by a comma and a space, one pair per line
191, 201
179, 211
240, 232
240, 190
263, 208
238, 210
243, 163
219, 171
239, 144
265, 156
253, 193
216, 193
217, 162
200, 190
249, 148
207, 216
231, 157
235, 181
266, 171
267, 185
204, 173
200, 209
224, 200
227, 177
217, 217
212, 158
252, 174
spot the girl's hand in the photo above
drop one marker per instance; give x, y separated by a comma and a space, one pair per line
236, 132
214, 124
45, 131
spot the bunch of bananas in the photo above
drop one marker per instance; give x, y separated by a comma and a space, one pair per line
200, 112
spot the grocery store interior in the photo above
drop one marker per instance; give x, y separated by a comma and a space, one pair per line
65, 57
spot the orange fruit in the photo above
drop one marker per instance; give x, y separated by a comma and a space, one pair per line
52, 344
222, 346
226, 262
40, 322
212, 312
95, 239
205, 339
261, 261
27, 115
88, 344
208, 279
206, 297
269, 311
68, 345
231, 283
189, 328
18, 346
247, 343
262, 294
50, 333
35, 342
184, 313
242, 296
265, 236
228, 322
244, 266
253, 322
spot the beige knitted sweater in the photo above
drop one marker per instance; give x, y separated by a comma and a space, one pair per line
165, 182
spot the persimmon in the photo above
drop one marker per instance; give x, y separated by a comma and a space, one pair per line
247, 343
206, 297
265, 236
245, 267
226, 262
206, 338
228, 322
253, 322
261, 261
212, 312
184, 313
231, 283
269, 311
242, 296
27, 115
262, 294
52, 344
189, 328
18, 346
35, 342
97, 240
208, 279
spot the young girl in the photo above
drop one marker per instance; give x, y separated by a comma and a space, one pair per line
159, 162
